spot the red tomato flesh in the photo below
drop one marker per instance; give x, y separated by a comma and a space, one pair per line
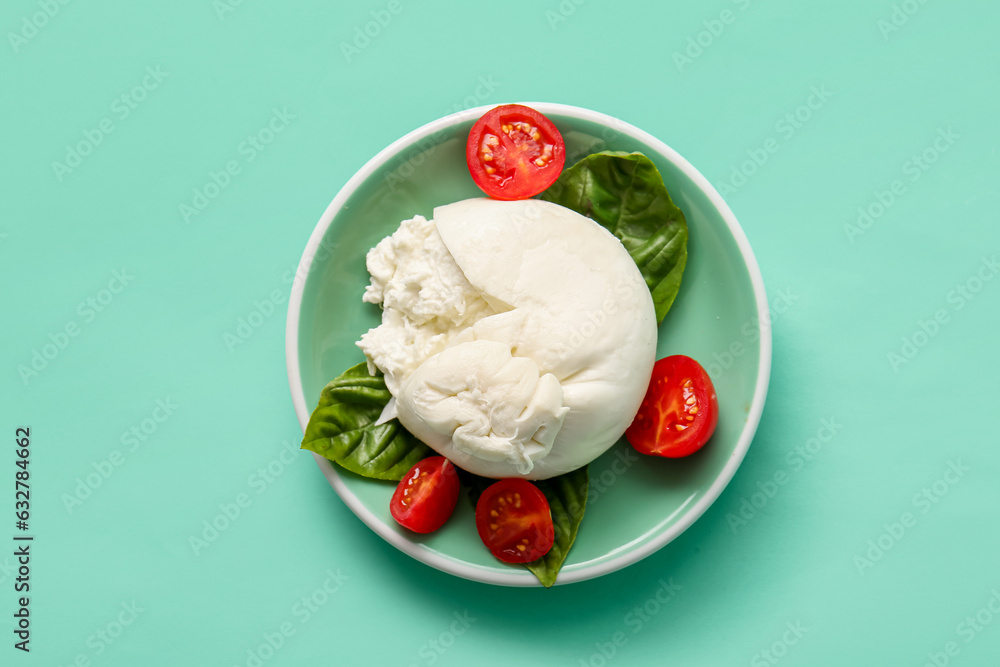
514, 152
679, 412
426, 496
514, 521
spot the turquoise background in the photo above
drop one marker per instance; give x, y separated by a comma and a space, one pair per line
852, 297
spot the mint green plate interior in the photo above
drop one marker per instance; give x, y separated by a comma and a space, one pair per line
637, 504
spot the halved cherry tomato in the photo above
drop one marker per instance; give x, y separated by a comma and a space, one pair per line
514, 152
426, 496
514, 521
680, 410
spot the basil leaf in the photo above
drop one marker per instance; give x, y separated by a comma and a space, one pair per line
567, 496
341, 428
624, 193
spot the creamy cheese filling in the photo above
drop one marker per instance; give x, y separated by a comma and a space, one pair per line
425, 298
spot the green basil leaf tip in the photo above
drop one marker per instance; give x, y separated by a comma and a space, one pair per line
567, 496
624, 193
342, 429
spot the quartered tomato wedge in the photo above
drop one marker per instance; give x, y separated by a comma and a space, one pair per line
680, 410
514, 521
514, 152
426, 496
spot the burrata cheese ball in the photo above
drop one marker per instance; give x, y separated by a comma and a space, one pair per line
517, 337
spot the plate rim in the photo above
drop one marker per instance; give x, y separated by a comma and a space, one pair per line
524, 578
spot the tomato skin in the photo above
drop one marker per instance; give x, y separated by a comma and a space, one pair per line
514, 521
514, 152
679, 412
426, 496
